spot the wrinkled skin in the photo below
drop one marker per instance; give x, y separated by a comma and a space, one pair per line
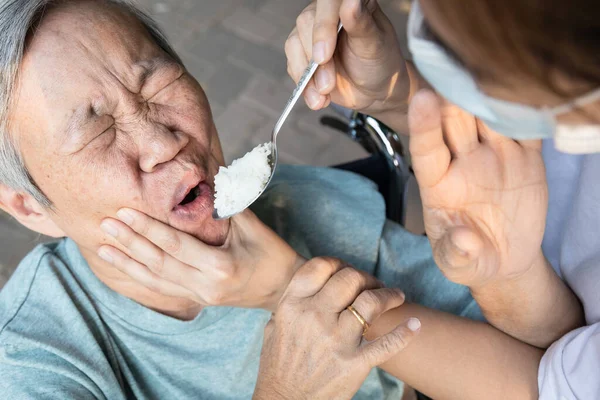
315, 306
110, 139
118, 135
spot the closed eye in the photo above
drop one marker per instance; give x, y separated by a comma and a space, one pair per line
161, 78
104, 135
169, 85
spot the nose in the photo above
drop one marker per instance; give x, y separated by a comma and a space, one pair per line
159, 145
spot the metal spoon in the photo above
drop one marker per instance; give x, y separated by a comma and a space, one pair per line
273, 157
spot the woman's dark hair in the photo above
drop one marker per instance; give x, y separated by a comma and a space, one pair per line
537, 39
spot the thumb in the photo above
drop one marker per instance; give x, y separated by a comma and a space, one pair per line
366, 27
243, 227
457, 254
325, 27
430, 155
385, 347
245, 220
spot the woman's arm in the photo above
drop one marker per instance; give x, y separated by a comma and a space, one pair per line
537, 307
456, 358
485, 201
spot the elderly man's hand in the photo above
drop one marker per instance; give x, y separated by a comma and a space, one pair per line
252, 269
314, 346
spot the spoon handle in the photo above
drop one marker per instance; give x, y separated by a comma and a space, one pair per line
302, 83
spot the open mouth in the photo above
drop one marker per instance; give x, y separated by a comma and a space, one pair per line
197, 202
191, 196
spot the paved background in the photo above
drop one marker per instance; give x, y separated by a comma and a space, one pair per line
235, 50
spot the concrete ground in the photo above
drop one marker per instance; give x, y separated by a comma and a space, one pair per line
235, 50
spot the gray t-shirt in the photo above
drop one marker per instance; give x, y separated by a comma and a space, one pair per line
65, 335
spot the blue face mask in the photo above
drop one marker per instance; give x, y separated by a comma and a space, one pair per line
517, 121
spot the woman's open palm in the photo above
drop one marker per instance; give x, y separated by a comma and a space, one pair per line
484, 195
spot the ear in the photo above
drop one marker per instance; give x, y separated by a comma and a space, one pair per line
25, 209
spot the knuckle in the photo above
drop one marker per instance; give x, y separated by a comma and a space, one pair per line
126, 237
120, 264
352, 278
306, 18
143, 226
172, 243
449, 110
320, 267
326, 264
225, 271
291, 42
399, 293
370, 5
156, 262
369, 301
287, 48
322, 29
125, 264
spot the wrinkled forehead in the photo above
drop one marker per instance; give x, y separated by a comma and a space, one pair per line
80, 52
77, 42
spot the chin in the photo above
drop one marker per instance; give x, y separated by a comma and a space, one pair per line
213, 233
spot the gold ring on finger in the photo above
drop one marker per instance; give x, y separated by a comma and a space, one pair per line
360, 319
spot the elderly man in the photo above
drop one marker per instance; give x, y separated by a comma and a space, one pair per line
98, 114
100, 120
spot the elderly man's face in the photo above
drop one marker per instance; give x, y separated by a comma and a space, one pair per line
105, 119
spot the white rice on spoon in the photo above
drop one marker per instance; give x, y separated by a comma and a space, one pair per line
237, 185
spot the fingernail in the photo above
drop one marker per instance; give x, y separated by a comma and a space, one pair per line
125, 216
322, 79
319, 52
312, 97
401, 294
414, 324
103, 254
109, 228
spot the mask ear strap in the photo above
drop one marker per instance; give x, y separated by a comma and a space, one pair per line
584, 100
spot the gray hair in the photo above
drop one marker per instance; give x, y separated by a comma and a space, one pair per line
17, 19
